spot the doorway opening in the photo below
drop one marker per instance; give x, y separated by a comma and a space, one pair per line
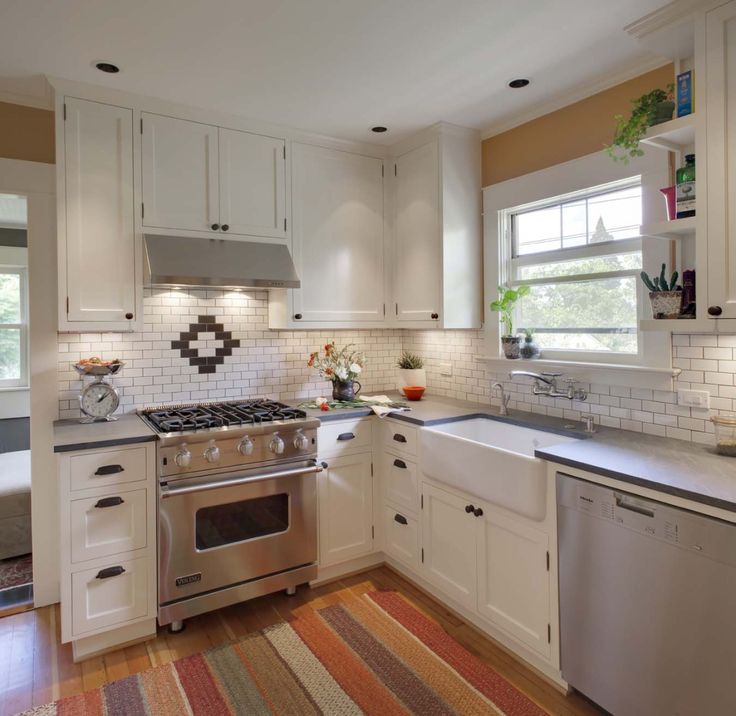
16, 561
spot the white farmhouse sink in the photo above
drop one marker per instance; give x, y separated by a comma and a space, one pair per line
491, 460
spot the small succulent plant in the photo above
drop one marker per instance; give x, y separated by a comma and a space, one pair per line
410, 361
660, 283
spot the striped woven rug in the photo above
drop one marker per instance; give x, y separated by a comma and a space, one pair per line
373, 654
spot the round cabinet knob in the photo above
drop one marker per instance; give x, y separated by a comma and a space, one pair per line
183, 457
478, 512
469, 508
276, 446
714, 310
245, 447
129, 316
215, 227
212, 453
301, 441
435, 316
297, 316
225, 227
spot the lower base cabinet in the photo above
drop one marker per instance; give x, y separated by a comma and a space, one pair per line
489, 562
401, 536
345, 493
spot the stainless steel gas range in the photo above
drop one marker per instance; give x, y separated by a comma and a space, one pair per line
237, 496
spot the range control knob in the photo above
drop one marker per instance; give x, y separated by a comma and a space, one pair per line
301, 441
245, 446
183, 457
212, 453
276, 446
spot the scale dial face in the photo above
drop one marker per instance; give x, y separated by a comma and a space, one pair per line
99, 400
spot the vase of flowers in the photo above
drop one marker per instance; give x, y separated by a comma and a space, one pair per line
341, 367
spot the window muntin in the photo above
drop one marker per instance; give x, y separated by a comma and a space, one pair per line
13, 327
582, 255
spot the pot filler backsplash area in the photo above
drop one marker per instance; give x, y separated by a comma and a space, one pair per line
215, 345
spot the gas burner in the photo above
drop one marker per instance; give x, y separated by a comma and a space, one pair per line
240, 413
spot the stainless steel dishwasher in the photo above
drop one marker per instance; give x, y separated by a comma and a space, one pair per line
647, 603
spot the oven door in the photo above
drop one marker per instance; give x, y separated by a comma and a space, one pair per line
219, 530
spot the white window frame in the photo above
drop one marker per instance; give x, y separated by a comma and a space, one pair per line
22, 381
579, 175
510, 262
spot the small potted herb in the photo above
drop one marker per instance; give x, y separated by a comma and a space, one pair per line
411, 371
665, 295
504, 305
652, 108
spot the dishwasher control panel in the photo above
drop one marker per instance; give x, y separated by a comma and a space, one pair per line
649, 517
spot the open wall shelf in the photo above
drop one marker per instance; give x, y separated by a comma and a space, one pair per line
674, 135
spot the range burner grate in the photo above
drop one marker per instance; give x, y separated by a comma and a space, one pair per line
180, 418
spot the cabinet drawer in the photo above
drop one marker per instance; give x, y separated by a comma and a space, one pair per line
399, 478
347, 436
401, 534
107, 525
107, 467
109, 595
397, 436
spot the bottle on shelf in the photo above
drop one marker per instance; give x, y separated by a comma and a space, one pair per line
686, 188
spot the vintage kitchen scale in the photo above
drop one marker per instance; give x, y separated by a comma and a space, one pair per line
99, 399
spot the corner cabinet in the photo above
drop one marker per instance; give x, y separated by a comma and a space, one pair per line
720, 140
204, 178
99, 255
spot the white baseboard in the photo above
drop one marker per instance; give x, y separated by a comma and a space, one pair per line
344, 569
90, 646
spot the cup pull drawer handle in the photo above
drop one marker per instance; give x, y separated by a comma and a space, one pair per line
109, 469
399, 438
346, 436
400, 463
110, 572
109, 502
400, 519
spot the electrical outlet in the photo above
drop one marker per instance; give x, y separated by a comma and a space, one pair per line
446, 369
694, 398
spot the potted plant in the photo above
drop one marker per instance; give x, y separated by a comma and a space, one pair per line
529, 348
652, 108
665, 296
341, 368
504, 305
411, 371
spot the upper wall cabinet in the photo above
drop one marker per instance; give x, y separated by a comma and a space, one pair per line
198, 177
98, 255
338, 235
720, 174
437, 231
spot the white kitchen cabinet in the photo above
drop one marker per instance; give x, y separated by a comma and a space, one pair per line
199, 177
719, 195
98, 252
252, 184
400, 481
437, 230
338, 236
180, 185
513, 577
449, 543
401, 536
345, 494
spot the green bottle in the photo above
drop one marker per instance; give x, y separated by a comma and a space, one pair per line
686, 188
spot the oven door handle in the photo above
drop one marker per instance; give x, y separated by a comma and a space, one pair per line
167, 491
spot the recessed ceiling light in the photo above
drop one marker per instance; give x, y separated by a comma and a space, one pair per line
107, 67
519, 83
379, 130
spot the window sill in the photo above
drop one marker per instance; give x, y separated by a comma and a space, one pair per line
13, 388
630, 376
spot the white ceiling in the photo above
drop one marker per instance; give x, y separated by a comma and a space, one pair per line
331, 66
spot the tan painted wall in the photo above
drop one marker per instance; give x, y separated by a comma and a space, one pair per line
26, 133
568, 133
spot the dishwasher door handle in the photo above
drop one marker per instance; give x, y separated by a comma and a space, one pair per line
626, 504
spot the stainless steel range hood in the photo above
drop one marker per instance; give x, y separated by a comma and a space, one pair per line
216, 263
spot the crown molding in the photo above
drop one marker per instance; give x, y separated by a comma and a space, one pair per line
579, 93
668, 15
28, 92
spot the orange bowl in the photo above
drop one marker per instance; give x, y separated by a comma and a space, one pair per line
413, 392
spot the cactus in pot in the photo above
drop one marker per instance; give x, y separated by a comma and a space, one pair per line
664, 294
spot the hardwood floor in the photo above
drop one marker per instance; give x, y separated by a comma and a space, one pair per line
35, 668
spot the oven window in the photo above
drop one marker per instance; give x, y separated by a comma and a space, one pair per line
239, 521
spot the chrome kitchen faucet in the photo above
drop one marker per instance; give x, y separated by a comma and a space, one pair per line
546, 384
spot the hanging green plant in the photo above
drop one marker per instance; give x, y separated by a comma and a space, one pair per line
652, 108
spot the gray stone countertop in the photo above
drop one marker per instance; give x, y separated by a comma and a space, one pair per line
72, 435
